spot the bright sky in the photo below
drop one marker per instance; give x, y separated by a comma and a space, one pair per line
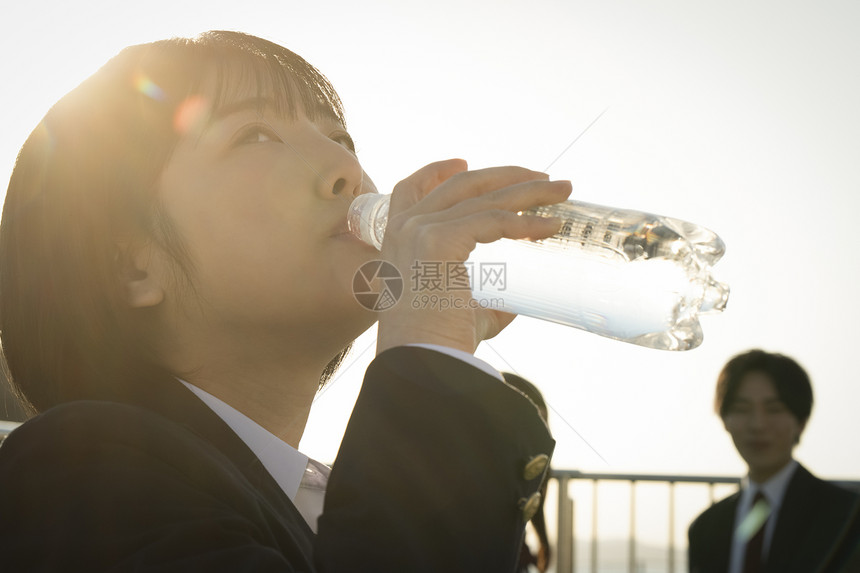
740, 116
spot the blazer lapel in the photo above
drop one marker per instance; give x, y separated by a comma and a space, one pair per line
171, 399
803, 534
723, 533
715, 535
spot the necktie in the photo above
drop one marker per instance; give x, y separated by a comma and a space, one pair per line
756, 522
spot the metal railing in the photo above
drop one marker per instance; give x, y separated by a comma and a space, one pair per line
565, 533
567, 539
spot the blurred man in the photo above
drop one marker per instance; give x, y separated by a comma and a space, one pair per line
783, 519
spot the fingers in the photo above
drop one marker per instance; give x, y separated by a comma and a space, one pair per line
439, 214
514, 198
474, 184
454, 239
468, 207
415, 187
494, 225
487, 218
440, 185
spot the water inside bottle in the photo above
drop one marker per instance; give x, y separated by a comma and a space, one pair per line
649, 302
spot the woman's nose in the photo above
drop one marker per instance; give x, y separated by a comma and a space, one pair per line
342, 176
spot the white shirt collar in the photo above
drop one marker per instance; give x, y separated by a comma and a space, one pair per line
286, 464
773, 489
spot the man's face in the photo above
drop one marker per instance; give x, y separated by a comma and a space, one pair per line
762, 427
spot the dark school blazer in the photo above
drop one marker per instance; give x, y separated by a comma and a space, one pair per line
816, 530
429, 477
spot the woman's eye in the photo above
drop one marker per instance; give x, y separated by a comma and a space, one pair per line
256, 134
344, 139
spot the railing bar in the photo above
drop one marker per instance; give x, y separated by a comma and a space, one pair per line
572, 559
632, 552
594, 527
560, 542
564, 536
671, 527
576, 474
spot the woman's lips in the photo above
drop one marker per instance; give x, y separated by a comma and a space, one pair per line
341, 228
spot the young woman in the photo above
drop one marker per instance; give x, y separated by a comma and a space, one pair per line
175, 285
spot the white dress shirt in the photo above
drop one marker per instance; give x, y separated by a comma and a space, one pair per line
774, 492
301, 478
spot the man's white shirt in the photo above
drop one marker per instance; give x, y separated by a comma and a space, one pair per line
774, 492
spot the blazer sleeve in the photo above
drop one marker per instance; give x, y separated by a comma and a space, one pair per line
431, 473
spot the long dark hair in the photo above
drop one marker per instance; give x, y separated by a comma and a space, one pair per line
84, 187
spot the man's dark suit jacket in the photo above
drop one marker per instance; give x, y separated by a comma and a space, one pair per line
816, 531
429, 477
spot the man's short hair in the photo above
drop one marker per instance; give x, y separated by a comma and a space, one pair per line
788, 377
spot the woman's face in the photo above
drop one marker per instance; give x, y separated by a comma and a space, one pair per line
260, 202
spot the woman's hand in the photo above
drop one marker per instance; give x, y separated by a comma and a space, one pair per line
437, 215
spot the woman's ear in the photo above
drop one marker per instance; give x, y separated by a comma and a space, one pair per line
139, 275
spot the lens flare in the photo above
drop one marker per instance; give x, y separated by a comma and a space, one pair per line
147, 87
191, 115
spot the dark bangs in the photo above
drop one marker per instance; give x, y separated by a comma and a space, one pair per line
243, 64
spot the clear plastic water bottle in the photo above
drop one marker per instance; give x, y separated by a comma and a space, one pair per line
619, 273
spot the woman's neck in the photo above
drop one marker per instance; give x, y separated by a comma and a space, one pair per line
279, 401
273, 386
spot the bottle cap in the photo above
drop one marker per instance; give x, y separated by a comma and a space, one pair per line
367, 217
